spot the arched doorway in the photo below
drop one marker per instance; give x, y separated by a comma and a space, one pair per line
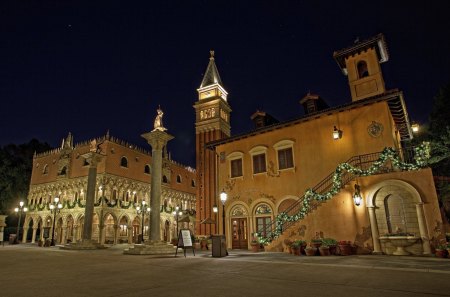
109, 228
123, 230
239, 228
69, 230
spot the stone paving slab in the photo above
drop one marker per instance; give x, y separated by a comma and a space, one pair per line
29, 270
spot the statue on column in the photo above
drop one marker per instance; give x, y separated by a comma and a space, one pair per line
158, 124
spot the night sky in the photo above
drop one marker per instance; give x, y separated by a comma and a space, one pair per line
90, 66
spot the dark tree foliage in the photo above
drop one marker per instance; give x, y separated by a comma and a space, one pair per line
439, 131
16, 163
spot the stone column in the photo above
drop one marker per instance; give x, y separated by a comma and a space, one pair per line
101, 235
93, 158
33, 237
24, 235
157, 140
423, 229
64, 234
75, 233
116, 234
130, 234
375, 233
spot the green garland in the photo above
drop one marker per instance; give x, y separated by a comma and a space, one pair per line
421, 157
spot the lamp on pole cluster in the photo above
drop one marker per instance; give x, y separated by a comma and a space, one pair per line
143, 211
177, 213
21, 208
223, 198
55, 207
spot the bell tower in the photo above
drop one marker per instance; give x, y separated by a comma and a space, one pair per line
361, 64
212, 122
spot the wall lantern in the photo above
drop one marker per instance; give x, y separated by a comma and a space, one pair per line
415, 127
337, 134
357, 196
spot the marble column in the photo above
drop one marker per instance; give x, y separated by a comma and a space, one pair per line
101, 235
157, 140
75, 233
116, 234
64, 234
375, 232
130, 234
33, 237
24, 235
93, 158
423, 229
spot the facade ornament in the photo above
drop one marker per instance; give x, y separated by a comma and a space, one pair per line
158, 124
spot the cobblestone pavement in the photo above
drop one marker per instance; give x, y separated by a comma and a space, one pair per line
29, 270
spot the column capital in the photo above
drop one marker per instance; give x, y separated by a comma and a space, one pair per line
93, 158
157, 139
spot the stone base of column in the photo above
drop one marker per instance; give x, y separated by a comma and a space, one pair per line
85, 244
151, 247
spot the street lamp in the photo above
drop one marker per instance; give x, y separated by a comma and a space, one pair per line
215, 210
177, 214
55, 207
142, 211
223, 198
19, 210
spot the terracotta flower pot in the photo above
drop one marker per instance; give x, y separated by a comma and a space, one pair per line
333, 249
441, 253
324, 251
296, 250
316, 244
255, 248
310, 251
345, 249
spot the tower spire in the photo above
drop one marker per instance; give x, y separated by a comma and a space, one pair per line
211, 76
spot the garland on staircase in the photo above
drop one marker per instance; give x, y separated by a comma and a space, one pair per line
421, 157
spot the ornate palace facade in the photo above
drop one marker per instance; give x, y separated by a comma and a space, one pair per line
123, 182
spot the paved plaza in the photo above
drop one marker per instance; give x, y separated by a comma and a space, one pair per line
29, 270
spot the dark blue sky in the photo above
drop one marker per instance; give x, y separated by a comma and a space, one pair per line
90, 66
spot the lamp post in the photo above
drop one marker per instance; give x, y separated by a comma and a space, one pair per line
55, 207
177, 214
142, 210
223, 198
19, 210
215, 210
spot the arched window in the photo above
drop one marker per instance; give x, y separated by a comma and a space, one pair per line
179, 179
135, 198
147, 169
63, 171
193, 183
263, 217
114, 195
124, 162
45, 169
164, 179
362, 69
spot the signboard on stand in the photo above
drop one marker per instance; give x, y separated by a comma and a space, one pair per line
185, 241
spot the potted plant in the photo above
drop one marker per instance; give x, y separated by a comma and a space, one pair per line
441, 251
310, 251
316, 242
324, 250
331, 243
345, 248
298, 246
255, 245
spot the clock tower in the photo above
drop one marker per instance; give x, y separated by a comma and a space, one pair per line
212, 122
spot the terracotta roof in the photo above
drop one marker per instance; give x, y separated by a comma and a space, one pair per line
394, 99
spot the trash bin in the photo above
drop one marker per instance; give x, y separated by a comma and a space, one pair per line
219, 247
12, 238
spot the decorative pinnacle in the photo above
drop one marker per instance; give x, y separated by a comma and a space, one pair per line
211, 52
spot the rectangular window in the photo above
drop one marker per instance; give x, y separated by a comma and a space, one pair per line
259, 163
236, 168
285, 158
